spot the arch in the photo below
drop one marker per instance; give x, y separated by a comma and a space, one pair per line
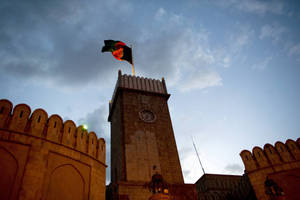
54, 128
248, 160
66, 182
5, 110
8, 168
38, 121
293, 148
272, 154
69, 133
20, 116
92, 144
282, 149
260, 157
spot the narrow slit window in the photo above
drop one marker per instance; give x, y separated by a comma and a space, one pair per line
270, 150
54, 124
39, 119
102, 148
281, 149
81, 135
2, 110
258, 154
246, 157
69, 129
21, 113
92, 141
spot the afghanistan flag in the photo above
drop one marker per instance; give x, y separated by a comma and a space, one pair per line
118, 49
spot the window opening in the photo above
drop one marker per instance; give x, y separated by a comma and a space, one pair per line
2, 110
39, 119
21, 113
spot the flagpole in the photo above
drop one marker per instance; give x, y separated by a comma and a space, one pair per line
198, 155
133, 71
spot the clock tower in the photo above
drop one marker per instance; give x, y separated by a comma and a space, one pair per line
142, 138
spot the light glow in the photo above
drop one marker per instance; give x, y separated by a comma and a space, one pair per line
84, 127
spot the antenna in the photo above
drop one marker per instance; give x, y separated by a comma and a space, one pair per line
198, 155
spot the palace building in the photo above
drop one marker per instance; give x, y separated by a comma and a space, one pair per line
44, 158
142, 141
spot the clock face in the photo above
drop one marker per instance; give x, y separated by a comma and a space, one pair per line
147, 116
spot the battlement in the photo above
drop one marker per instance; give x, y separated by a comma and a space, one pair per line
37, 124
141, 83
138, 83
271, 156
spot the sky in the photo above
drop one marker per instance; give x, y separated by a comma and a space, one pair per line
232, 68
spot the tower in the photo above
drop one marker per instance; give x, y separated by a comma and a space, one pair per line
142, 138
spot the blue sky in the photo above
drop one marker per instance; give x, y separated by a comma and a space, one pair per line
232, 67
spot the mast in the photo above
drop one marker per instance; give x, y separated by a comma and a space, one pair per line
198, 155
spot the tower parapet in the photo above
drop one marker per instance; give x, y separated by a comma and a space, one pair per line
52, 129
140, 84
43, 157
270, 155
279, 164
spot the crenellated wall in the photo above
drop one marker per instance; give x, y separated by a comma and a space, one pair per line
280, 162
50, 156
53, 128
137, 83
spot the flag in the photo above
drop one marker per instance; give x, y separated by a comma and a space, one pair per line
118, 49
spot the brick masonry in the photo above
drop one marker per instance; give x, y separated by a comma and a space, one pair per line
44, 158
142, 138
280, 163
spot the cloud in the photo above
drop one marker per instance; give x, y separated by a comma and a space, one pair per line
272, 31
234, 169
160, 13
232, 51
294, 50
97, 122
226, 61
242, 38
262, 65
190, 165
176, 51
59, 43
201, 79
255, 6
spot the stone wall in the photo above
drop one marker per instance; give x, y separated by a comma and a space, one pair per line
44, 158
139, 148
142, 140
279, 163
216, 186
